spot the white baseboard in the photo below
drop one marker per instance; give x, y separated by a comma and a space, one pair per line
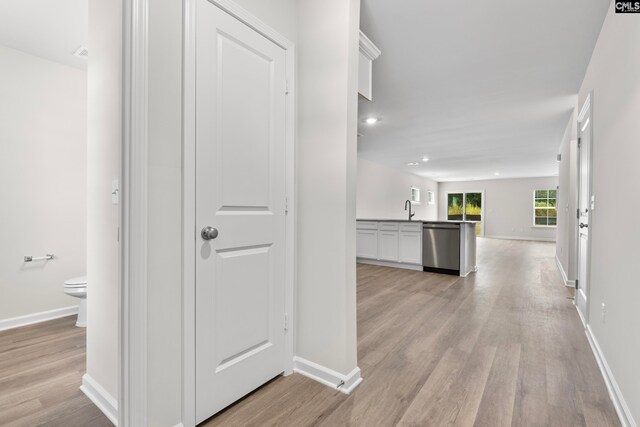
582, 319
624, 413
30, 319
99, 396
568, 283
389, 264
344, 383
532, 239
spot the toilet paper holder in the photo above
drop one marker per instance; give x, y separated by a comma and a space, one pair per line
29, 258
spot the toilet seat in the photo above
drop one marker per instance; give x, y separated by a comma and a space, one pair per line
76, 282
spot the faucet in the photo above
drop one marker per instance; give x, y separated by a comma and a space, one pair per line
411, 215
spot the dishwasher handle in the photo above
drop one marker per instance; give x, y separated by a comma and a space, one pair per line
442, 225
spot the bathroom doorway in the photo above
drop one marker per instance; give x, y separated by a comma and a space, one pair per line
60, 216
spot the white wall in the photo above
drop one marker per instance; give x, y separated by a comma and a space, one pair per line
567, 177
382, 192
327, 166
104, 139
614, 77
43, 175
508, 205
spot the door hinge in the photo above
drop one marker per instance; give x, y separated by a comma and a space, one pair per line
578, 213
286, 322
286, 87
577, 284
286, 206
579, 141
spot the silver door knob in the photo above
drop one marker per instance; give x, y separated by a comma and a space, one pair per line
583, 225
209, 233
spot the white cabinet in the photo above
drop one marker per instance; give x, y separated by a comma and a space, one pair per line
388, 245
367, 243
396, 243
410, 247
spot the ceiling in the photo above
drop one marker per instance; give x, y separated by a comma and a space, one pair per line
482, 88
50, 29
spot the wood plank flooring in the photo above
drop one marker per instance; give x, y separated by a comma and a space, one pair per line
502, 347
41, 368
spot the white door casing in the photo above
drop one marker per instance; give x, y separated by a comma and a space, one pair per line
240, 128
585, 124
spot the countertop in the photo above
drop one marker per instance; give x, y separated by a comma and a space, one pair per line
414, 220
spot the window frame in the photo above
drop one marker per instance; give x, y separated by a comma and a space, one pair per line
415, 191
534, 207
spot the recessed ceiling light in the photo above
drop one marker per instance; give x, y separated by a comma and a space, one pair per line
371, 120
413, 164
497, 173
425, 159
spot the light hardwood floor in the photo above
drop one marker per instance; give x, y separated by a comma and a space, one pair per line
41, 368
501, 347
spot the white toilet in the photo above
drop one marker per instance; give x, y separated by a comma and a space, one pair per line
77, 287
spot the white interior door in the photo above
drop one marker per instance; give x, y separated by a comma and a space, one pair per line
584, 209
240, 192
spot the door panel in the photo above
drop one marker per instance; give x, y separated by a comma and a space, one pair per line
410, 247
244, 132
473, 210
367, 244
455, 206
388, 245
240, 191
241, 313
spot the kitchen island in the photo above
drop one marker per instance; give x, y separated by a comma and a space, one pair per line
447, 247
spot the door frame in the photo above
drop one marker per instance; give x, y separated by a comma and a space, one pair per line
586, 112
189, 201
132, 310
464, 198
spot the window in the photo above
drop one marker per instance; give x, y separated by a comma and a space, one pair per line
466, 207
431, 197
415, 195
545, 213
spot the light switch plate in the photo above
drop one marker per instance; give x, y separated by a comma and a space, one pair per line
115, 192
593, 202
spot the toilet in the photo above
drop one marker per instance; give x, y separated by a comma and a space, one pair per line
77, 287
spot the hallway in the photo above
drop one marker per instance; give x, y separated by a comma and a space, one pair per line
501, 347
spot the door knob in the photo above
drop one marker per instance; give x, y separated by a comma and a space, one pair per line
583, 225
209, 233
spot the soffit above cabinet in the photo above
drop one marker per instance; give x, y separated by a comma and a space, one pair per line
368, 53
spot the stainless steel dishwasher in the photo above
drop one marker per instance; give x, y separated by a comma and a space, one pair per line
441, 248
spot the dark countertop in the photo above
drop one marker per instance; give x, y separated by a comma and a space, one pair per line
418, 221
